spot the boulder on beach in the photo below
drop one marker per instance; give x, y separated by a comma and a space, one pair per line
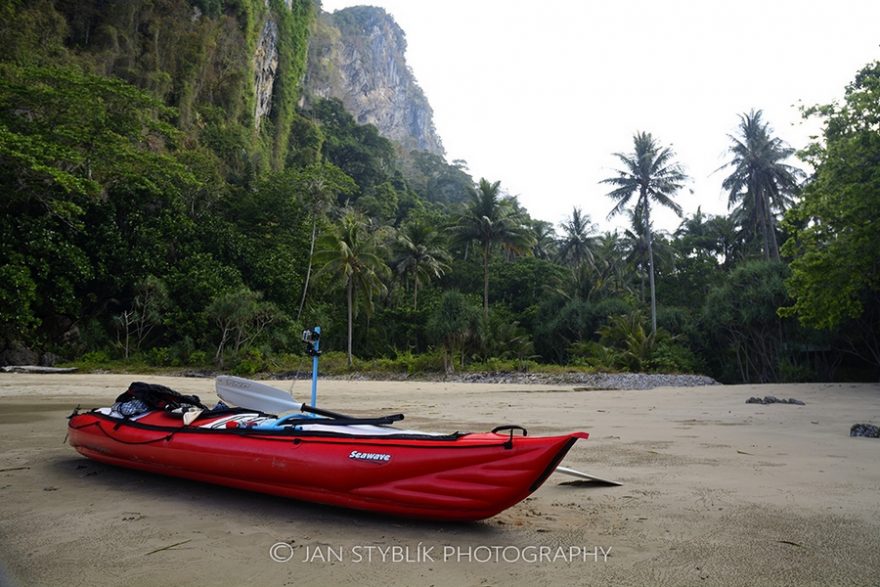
771, 399
867, 430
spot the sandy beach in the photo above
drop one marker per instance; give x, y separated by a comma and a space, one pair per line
715, 492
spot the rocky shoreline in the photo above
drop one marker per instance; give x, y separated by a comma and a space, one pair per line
587, 380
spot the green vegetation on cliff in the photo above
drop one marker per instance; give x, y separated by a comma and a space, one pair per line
197, 57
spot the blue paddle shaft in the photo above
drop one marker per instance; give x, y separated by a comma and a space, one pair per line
317, 345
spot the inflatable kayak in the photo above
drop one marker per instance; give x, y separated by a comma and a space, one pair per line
361, 463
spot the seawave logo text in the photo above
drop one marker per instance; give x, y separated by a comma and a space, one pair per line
370, 456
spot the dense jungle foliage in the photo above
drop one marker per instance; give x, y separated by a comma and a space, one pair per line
151, 216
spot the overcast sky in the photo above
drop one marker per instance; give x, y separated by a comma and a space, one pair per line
540, 94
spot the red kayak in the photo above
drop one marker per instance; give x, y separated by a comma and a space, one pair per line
356, 463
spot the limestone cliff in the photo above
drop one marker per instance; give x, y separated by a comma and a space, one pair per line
358, 55
265, 70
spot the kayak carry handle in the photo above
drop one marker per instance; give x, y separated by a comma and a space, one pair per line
509, 444
510, 427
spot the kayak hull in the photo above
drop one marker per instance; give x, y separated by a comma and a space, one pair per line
457, 477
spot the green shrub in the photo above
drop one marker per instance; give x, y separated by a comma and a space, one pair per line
161, 357
336, 362
251, 361
95, 358
595, 356
430, 362
197, 358
670, 357
791, 372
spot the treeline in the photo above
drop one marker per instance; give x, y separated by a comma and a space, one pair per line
137, 228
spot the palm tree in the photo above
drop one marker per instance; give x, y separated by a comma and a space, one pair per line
351, 253
608, 262
724, 232
760, 183
544, 239
319, 183
693, 236
451, 323
576, 246
638, 255
420, 254
704, 235
635, 250
491, 220
650, 173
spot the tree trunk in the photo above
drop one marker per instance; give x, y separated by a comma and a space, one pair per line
350, 297
651, 267
771, 232
302, 301
448, 366
416, 293
768, 233
127, 335
218, 356
762, 219
486, 281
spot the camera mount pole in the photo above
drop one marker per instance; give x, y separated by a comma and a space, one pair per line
312, 339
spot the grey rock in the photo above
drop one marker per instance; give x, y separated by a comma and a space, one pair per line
771, 399
867, 430
357, 55
18, 354
49, 359
265, 68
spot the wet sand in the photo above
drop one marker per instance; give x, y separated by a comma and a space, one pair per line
716, 492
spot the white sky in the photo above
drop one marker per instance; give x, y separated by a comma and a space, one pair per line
540, 94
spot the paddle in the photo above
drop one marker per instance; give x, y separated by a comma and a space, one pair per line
253, 395
581, 475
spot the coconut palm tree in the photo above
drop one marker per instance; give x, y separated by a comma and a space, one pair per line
352, 254
637, 254
544, 235
728, 239
761, 184
575, 247
420, 254
706, 235
491, 220
693, 235
651, 174
608, 260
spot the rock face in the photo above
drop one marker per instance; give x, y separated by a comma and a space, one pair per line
265, 67
357, 55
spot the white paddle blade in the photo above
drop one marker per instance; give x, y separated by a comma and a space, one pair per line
253, 395
581, 475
